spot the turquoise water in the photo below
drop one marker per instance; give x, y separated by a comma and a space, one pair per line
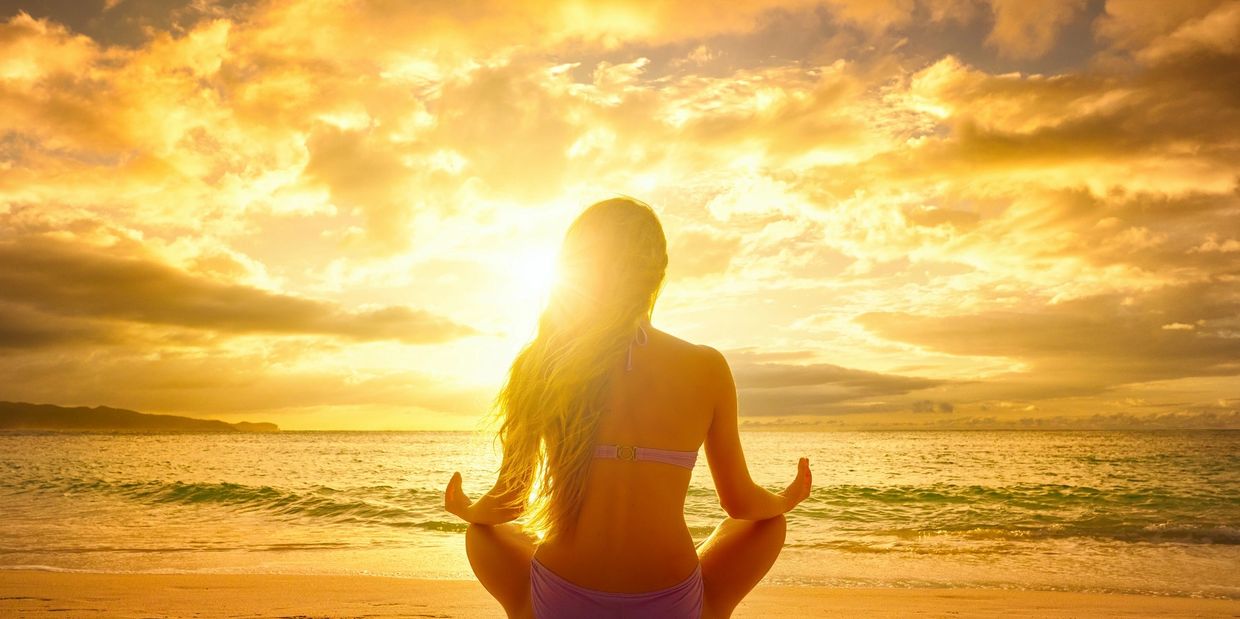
1146, 512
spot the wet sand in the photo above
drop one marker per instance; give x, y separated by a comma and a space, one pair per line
61, 594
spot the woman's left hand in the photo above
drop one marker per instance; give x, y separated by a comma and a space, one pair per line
799, 489
454, 499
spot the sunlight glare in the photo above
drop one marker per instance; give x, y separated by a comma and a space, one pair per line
531, 273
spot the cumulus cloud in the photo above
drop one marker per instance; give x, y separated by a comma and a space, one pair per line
1183, 27
1025, 29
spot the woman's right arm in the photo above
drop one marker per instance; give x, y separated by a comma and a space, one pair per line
503, 503
739, 496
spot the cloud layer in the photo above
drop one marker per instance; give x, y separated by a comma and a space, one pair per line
904, 212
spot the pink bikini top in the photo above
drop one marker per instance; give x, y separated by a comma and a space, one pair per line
683, 459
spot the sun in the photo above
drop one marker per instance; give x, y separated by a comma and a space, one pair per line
531, 272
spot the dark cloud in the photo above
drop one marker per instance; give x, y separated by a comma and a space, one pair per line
1009, 122
1092, 343
1154, 233
930, 406
127, 23
67, 279
24, 328
766, 388
1179, 420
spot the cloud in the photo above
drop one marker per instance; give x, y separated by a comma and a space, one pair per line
365, 173
1028, 29
272, 381
497, 25
22, 327
1011, 200
1090, 344
766, 388
33, 49
1212, 244
1213, 33
930, 406
65, 279
129, 23
1130, 26
1180, 420
874, 17
1015, 125
698, 253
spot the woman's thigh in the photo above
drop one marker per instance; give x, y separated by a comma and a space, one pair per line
500, 556
734, 558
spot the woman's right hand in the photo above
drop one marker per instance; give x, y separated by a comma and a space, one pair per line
798, 490
454, 499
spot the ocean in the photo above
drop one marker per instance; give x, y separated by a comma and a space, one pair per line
1137, 512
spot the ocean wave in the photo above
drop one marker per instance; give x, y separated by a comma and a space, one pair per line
1206, 534
979, 542
967, 538
379, 505
1021, 495
853, 518
918, 515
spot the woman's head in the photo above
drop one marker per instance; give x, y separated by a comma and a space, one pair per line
612, 261
611, 269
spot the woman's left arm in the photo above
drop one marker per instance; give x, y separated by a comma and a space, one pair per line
497, 506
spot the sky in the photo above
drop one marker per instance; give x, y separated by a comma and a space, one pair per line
342, 214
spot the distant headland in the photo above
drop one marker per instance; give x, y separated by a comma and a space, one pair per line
26, 416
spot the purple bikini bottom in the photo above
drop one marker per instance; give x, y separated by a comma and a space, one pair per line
556, 598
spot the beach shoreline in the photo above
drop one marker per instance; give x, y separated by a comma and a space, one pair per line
89, 594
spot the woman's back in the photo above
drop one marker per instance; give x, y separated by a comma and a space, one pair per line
630, 534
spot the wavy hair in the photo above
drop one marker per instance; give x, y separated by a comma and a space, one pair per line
611, 270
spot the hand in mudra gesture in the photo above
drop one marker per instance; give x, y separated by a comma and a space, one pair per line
455, 500
798, 490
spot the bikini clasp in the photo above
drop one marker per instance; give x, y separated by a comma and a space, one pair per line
626, 452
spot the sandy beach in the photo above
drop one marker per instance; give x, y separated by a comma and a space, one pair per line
59, 594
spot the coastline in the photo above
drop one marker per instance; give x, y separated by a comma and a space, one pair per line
89, 594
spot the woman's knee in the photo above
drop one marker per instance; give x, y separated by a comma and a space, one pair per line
506, 539
768, 532
476, 534
776, 527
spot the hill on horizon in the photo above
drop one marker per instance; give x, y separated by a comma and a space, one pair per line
27, 416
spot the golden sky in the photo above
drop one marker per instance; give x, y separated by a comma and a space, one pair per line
342, 213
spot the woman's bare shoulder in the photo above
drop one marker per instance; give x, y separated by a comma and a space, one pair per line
705, 358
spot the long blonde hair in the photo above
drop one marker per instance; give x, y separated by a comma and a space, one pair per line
611, 270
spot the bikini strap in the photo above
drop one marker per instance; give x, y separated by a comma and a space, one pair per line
641, 338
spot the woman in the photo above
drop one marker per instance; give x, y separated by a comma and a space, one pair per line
602, 417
